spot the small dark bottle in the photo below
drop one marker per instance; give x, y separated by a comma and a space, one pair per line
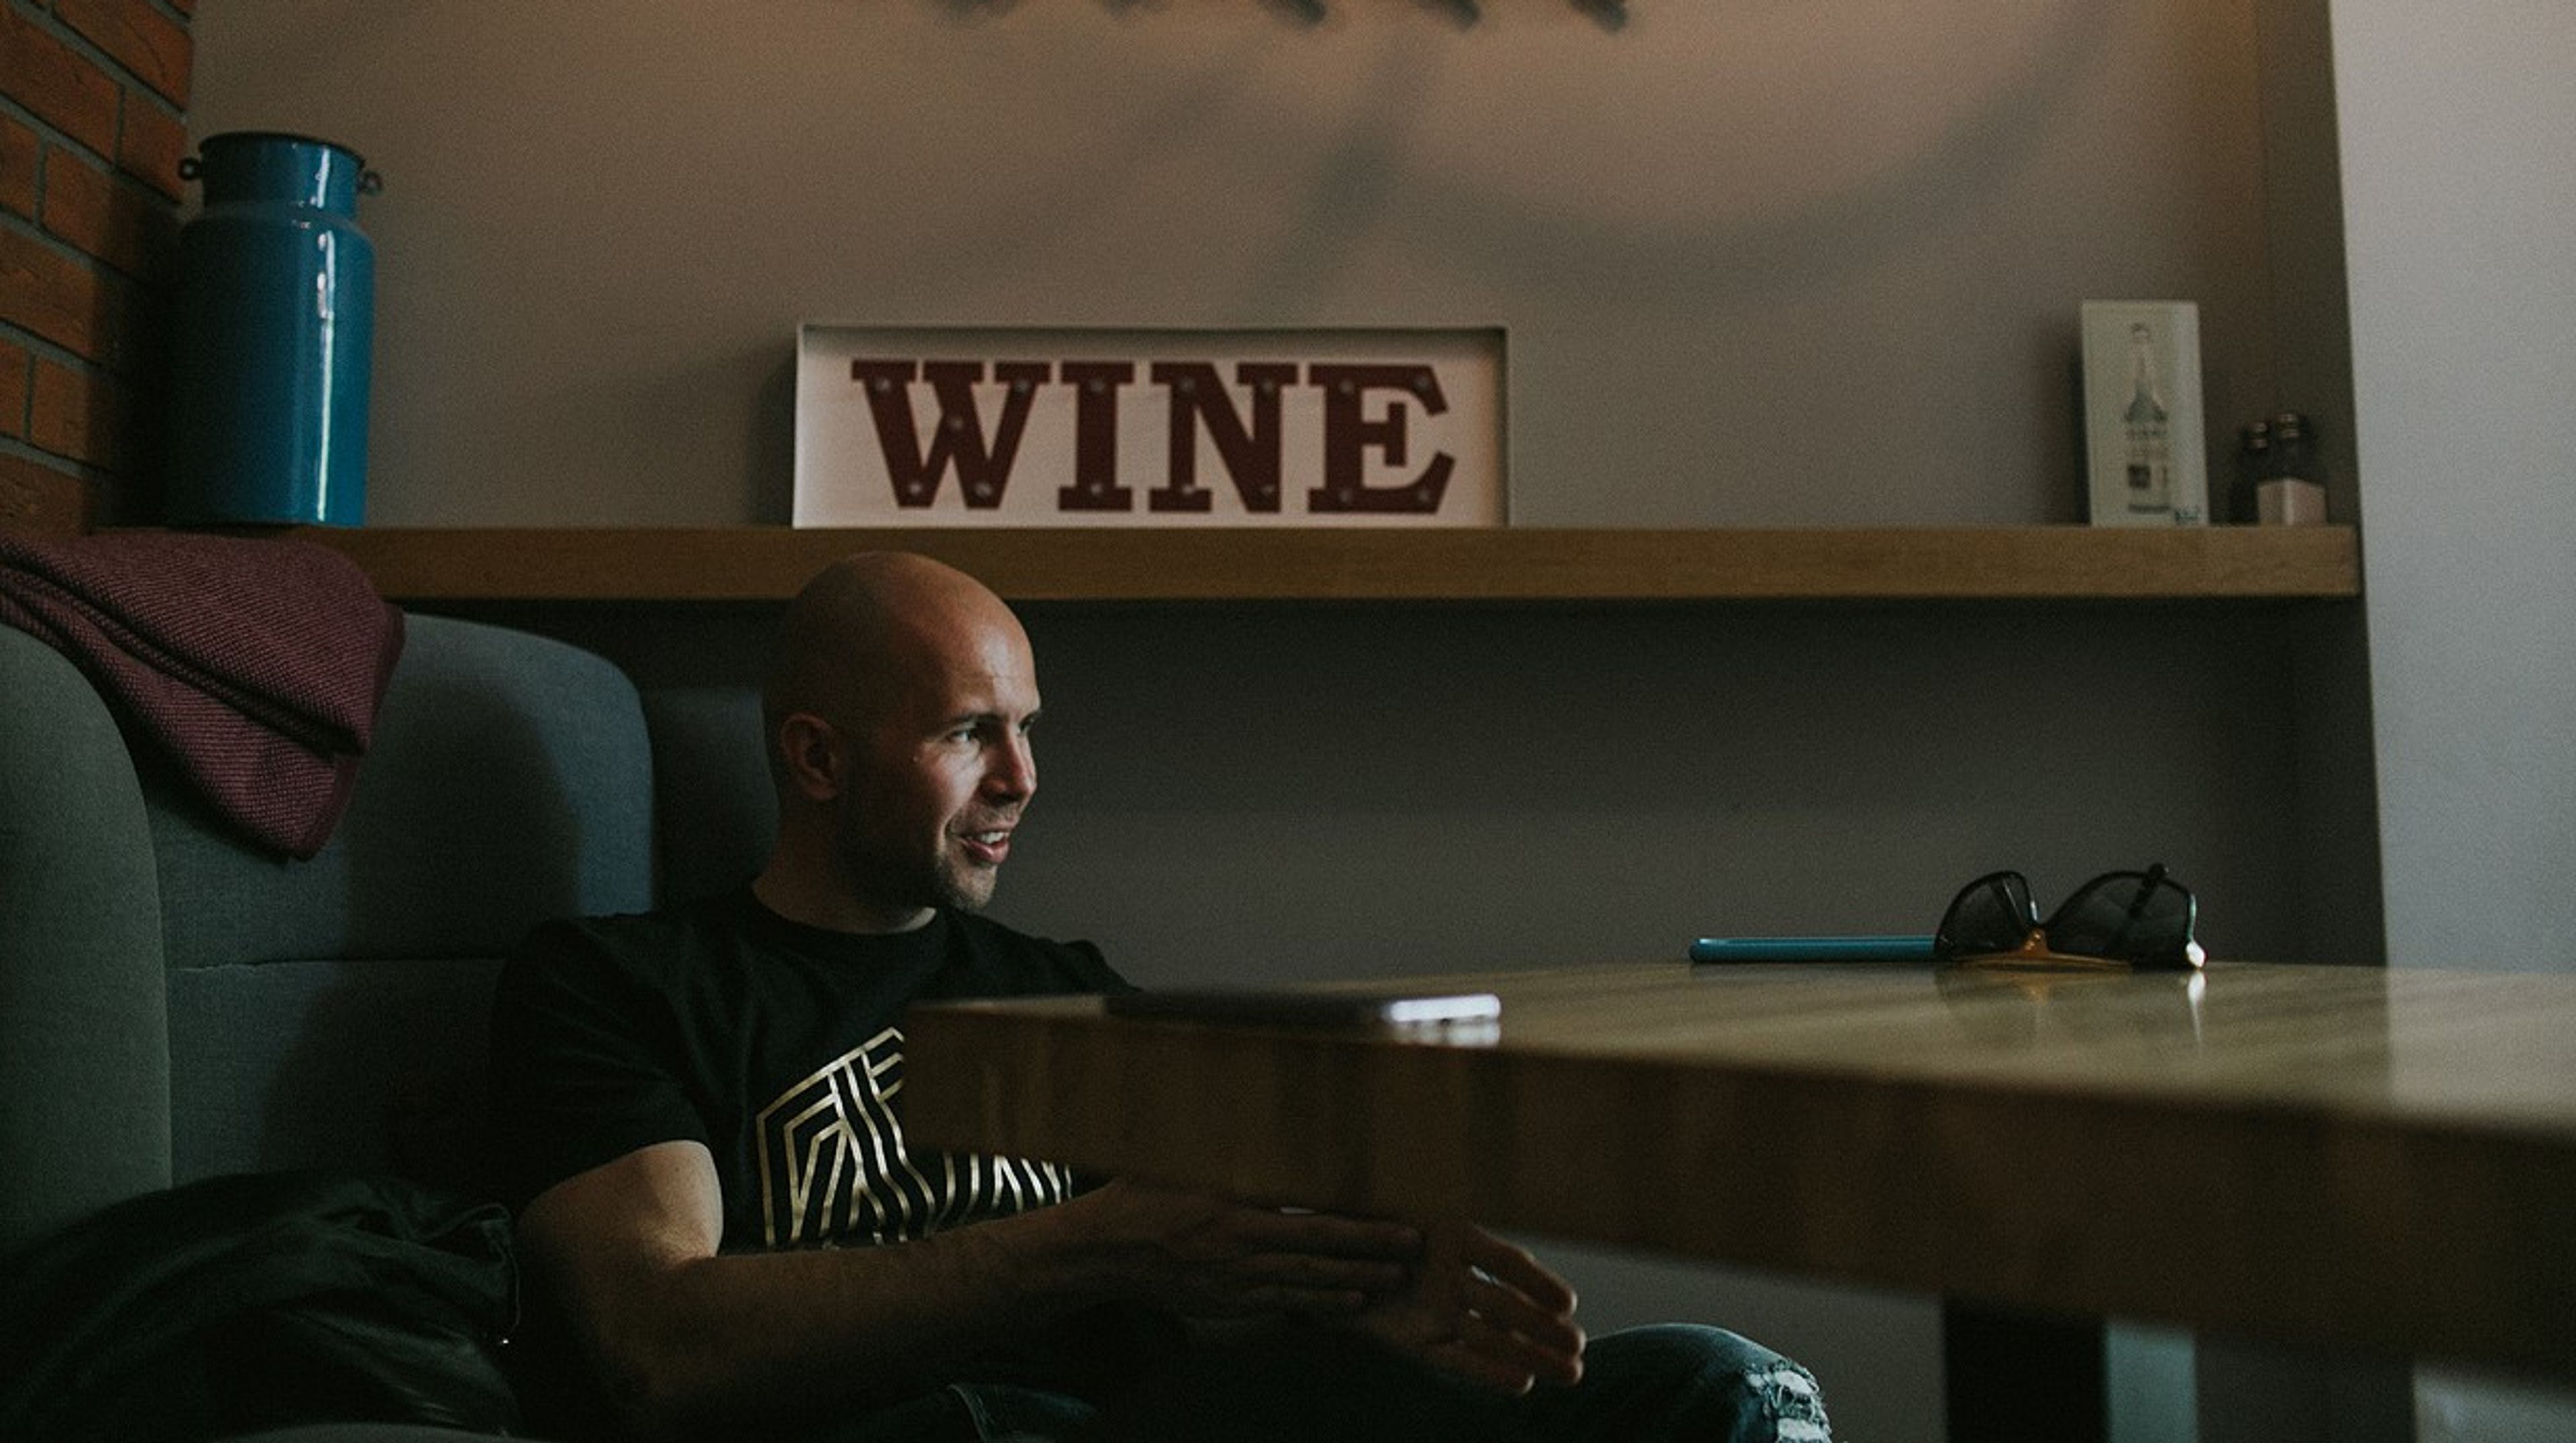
2253, 462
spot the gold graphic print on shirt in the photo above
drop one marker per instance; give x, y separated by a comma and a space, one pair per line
834, 1169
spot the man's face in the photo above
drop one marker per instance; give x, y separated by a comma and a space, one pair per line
939, 774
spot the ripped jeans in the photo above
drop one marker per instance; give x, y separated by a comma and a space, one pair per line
1671, 1383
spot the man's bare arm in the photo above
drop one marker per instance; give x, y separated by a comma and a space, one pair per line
682, 1336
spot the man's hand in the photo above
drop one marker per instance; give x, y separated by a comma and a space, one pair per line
1481, 1309
1205, 1256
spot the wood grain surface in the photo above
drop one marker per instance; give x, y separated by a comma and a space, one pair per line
2380, 1158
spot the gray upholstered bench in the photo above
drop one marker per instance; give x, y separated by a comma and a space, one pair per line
175, 1004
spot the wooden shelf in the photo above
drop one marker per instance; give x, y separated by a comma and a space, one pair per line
1316, 564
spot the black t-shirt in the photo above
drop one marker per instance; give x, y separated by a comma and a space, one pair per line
778, 1045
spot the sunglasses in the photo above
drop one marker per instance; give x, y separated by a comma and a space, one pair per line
2118, 919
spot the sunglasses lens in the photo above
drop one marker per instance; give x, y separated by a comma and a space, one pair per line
2131, 916
1991, 914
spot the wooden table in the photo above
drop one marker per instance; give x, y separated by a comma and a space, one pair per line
2331, 1154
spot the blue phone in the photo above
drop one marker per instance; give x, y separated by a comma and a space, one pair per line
1811, 949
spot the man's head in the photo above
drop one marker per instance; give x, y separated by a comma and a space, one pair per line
898, 712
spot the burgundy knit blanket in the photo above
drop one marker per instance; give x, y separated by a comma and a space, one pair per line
256, 665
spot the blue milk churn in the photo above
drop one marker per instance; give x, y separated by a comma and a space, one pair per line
276, 318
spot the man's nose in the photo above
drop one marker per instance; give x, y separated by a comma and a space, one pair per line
1014, 772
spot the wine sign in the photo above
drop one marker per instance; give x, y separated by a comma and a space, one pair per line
2146, 461
947, 427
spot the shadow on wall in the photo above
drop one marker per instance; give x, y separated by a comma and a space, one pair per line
1948, 174
1368, 170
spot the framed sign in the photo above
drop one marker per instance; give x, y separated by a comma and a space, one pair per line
1083, 427
2145, 461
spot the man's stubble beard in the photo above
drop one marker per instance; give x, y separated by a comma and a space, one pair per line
965, 889
905, 881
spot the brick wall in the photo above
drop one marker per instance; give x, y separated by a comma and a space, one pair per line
93, 106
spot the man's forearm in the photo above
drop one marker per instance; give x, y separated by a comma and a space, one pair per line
701, 1338
737, 1336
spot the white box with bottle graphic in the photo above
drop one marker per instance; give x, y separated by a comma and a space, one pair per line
2146, 458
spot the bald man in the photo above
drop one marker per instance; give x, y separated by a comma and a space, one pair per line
725, 1232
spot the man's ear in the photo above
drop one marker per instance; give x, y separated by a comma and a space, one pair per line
810, 749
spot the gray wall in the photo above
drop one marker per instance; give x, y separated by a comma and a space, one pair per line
2461, 206
1759, 263
2462, 211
